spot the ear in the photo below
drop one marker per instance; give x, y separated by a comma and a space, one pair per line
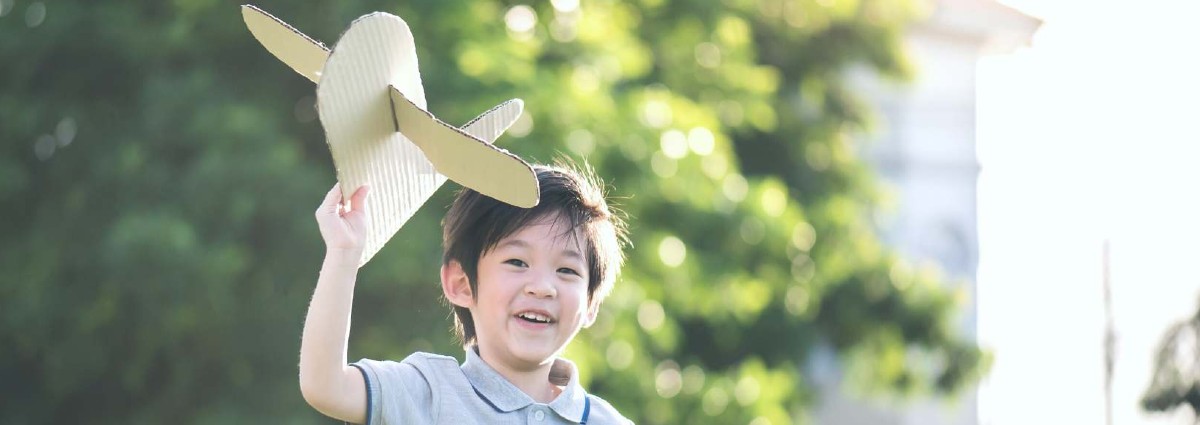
456, 286
592, 311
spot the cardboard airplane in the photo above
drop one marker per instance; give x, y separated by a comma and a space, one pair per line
372, 106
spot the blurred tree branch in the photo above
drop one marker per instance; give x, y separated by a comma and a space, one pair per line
1176, 379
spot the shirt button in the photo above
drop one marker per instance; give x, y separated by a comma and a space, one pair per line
539, 415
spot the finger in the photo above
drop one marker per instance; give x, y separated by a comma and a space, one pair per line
358, 201
334, 196
332, 201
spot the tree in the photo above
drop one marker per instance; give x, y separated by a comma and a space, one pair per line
160, 168
1176, 380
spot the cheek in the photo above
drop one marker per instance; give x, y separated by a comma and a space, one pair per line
485, 294
577, 297
497, 290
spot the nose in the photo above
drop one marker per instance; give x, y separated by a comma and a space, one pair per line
541, 286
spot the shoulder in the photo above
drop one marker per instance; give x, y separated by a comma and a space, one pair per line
419, 360
430, 360
604, 413
426, 365
407, 391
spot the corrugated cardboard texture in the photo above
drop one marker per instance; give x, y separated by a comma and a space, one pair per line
376, 52
492, 123
371, 102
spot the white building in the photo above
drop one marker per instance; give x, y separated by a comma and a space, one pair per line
924, 151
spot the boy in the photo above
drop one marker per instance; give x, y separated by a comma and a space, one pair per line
521, 282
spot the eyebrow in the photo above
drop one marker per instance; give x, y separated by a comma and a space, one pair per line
518, 243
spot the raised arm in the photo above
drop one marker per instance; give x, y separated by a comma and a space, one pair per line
327, 382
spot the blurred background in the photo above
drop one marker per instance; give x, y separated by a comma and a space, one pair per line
842, 211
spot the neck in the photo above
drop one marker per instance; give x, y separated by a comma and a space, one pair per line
533, 380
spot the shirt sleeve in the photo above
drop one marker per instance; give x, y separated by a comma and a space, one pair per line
397, 392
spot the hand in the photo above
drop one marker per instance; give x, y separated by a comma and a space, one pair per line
344, 224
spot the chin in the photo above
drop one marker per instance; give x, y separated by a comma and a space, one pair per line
534, 354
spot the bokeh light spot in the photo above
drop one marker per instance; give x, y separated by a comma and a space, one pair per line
731, 113
674, 144
619, 354
668, 381
672, 251
473, 62
804, 236
65, 131
715, 401
708, 55
733, 31
581, 142
803, 268
817, 156
584, 80
774, 201
564, 30
795, 15
520, 19
35, 14
44, 147
565, 6
752, 230
701, 140
735, 187
656, 114
747, 390
796, 300
650, 315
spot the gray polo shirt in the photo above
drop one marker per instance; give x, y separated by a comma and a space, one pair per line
432, 389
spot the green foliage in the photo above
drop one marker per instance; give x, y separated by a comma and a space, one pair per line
159, 169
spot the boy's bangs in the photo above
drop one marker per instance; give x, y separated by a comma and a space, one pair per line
514, 219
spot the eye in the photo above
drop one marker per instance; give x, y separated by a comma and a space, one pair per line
515, 262
569, 270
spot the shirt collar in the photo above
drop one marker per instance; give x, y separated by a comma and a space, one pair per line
506, 397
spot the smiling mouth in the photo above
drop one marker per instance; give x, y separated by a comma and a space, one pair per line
535, 318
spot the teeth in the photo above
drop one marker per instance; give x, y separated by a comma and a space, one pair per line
535, 317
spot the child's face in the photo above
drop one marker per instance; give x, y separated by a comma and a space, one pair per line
532, 295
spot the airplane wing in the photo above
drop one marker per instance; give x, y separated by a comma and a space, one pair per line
464, 155
489, 125
305, 55
467, 159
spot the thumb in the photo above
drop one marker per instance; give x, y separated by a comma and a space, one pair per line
358, 201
